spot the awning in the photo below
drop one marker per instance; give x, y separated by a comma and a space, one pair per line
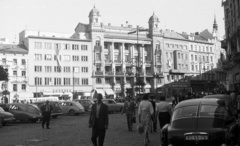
109, 91
87, 94
100, 91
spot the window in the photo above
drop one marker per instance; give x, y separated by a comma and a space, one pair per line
84, 69
186, 56
178, 55
171, 55
98, 80
66, 57
211, 59
38, 68
48, 57
84, 47
195, 57
15, 73
57, 81
184, 112
48, 69
76, 81
24, 87
38, 56
15, 61
85, 58
168, 78
84, 81
76, 69
192, 47
192, 67
48, 81
66, 81
75, 47
97, 43
210, 49
66, 46
66, 69
14, 87
23, 73
38, 81
47, 45
196, 68
57, 46
75, 58
38, 45
182, 56
23, 62
57, 69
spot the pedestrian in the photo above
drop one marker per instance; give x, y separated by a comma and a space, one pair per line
98, 121
46, 113
145, 111
163, 112
129, 109
154, 120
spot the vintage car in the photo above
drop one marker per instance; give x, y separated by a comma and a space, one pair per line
113, 106
86, 103
71, 107
205, 121
56, 107
6, 116
25, 112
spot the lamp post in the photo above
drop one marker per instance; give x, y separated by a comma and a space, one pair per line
73, 81
36, 88
138, 29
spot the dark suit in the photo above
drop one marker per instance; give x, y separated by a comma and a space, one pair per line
46, 115
99, 125
154, 120
129, 109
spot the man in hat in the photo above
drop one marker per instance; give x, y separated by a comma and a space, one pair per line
46, 114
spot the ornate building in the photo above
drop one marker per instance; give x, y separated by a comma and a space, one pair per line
232, 43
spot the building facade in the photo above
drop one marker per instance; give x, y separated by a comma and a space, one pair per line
232, 43
14, 59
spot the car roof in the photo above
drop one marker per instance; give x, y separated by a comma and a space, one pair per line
219, 96
209, 101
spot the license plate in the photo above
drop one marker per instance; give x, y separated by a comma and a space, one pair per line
196, 137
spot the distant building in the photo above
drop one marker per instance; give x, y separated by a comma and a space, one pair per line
4, 41
232, 43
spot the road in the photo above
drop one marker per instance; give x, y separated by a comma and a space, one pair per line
72, 131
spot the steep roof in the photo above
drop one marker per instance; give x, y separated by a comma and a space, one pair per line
206, 34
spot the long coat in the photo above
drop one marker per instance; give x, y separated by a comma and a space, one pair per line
103, 116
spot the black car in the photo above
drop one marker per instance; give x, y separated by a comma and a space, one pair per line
86, 103
56, 107
205, 121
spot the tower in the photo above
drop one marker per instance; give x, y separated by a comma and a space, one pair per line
94, 17
215, 28
153, 24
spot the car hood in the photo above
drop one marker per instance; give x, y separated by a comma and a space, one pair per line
6, 114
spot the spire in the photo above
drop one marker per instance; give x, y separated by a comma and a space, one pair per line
215, 27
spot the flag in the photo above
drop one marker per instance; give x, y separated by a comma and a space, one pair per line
58, 60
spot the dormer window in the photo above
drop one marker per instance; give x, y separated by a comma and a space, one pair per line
96, 20
156, 25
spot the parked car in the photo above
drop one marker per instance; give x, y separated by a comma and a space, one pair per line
71, 107
6, 116
120, 100
25, 112
113, 106
86, 103
56, 107
201, 122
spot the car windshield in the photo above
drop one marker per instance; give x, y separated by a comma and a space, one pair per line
213, 111
1, 109
79, 105
185, 112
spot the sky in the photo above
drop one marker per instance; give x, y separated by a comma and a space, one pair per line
62, 16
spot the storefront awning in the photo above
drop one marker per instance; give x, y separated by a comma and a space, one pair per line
109, 91
100, 91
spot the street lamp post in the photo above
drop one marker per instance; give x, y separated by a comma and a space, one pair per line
138, 29
36, 88
73, 82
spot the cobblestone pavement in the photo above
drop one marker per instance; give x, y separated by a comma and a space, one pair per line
72, 131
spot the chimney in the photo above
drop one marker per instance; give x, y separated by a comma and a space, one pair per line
196, 33
121, 25
109, 24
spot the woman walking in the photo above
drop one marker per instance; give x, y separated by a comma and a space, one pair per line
145, 111
163, 112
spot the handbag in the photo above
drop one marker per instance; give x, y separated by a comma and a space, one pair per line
140, 128
133, 119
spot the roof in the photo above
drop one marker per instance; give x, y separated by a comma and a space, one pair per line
206, 34
114, 35
94, 11
13, 49
219, 96
58, 38
153, 18
191, 102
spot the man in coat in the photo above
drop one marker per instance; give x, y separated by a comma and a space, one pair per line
129, 109
98, 121
46, 113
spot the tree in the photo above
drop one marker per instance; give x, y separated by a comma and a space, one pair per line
3, 74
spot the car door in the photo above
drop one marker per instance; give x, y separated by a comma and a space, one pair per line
18, 111
64, 107
113, 105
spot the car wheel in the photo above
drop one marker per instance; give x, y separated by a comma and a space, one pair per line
72, 112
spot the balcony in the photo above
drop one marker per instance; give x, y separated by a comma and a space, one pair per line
236, 57
98, 48
118, 61
120, 73
158, 75
149, 74
109, 73
129, 73
176, 71
98, 73
128, 62
147, 62
108, 61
